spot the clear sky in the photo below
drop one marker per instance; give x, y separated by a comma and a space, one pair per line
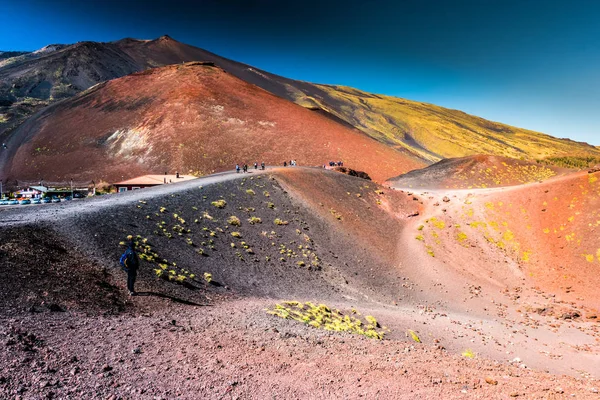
532, 64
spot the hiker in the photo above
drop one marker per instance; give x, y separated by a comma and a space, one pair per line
130, 262
255, 165
262, 165
285, 164
245, 167
237, 168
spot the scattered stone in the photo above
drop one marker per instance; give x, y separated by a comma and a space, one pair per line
491, 380
571, 315
34, 309
559, 390
106, 368
55, 307
446, 199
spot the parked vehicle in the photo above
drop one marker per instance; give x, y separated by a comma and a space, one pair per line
13, 202
25, 201
55, 200
36, 201
3, 202
78, 196
46, 200
68, 198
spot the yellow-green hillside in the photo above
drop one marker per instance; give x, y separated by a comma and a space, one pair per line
434, 132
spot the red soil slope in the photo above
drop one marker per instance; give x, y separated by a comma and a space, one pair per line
190, 118
542, 235
480, 171
556, 227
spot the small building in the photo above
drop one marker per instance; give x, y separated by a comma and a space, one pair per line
31, 192
145, 181
45, 191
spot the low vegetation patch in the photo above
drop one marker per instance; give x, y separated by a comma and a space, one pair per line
571, 161
254, 220
323, 317
468, 353
233, 220
336, 214
436, 222
414, 336
219, 203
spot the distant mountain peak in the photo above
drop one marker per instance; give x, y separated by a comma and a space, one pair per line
50, 48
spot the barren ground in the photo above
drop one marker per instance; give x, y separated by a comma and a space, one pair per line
69, 331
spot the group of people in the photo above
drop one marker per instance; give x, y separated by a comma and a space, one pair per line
245, 167
336, 164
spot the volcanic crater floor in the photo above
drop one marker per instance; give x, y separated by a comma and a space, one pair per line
486, 327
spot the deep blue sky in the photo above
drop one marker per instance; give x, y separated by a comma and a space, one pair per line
533, 64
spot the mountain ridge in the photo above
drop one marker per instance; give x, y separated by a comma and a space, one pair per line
191, 117
429, 132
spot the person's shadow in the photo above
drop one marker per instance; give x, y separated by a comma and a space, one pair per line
174, 299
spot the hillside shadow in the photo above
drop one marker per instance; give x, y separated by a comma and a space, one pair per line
173, 299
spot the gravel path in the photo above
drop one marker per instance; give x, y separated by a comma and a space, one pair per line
17, 215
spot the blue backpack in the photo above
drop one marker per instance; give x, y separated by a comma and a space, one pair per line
127, 259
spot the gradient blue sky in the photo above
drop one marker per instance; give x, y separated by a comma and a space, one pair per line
533, 64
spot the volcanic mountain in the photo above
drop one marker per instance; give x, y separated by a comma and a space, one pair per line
32, 80
192, 117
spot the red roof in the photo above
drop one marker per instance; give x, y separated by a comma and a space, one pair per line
147, 180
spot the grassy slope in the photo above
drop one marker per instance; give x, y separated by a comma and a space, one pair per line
434, 132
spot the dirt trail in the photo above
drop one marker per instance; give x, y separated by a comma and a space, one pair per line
19, 215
